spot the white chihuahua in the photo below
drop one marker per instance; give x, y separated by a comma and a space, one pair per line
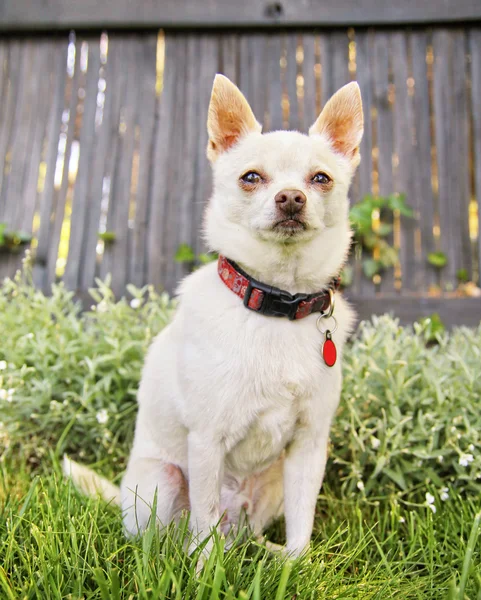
238, 392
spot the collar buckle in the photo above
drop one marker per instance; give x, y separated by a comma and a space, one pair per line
275, 302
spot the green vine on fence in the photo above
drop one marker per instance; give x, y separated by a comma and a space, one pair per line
12, 240
371, 245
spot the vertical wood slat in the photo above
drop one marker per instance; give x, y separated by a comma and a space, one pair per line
363, 182
8, 111
275, 85
384, 130
59, 75
310, 81
87, 141
475, 51
147, 129
20, 136
405, 169
25, 150
45, 53
229, 55
339, 60
461, 124
121, 181
207, 66
327, 86
118, 49
451, 144
252, 76
364, 79
174, 175
291, 81
158, 193
185, 192
110, 72
422, 200
60, 196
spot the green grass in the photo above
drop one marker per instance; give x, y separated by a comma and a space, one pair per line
398, 517
57, 544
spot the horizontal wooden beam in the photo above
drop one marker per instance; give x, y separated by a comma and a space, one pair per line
49, 15
453, 311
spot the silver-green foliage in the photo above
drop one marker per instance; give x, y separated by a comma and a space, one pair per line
409, 416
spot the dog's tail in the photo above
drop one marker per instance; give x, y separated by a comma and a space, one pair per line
89, 483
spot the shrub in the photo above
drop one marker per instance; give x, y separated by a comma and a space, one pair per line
409, 415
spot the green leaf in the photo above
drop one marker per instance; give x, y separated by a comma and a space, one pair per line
2, 232
370, 267
437, 259
205, 258
108, 237
184, 254
384, 229
398, 202
388, 256
462, 275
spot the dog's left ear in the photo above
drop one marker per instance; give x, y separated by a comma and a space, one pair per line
342, 122
230, 117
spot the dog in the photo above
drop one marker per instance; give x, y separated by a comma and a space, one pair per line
238, 392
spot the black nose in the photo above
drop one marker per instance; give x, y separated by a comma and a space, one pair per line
290, 201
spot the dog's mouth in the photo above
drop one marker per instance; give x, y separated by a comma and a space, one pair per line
290, 225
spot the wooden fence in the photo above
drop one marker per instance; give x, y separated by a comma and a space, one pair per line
102, 135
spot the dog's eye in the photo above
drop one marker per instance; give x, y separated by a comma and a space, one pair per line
251, 177
321, 178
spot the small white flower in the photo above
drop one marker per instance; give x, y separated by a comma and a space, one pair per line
29, 336
432, 507
471, 447
360, 485
102, 306
440, 459
444, 494
136, 302
375, 442
402, 520
3, 365
429, 498
102, 416
3, 394
465, 459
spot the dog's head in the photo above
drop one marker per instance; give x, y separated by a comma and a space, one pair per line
279, 205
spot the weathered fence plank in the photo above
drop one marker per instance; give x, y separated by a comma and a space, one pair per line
384, 132
147, 129
475, 51
422, 200
59, 74
67, 14
452, 159
275, 83
309, 101
80, 201
404, 167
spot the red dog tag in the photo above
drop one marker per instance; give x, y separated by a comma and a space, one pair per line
329, 352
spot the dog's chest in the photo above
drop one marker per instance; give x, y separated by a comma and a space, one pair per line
274, 379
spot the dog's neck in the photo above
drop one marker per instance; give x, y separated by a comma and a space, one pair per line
304, 267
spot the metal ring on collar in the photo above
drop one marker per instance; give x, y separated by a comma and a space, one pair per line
332, 302
318, 322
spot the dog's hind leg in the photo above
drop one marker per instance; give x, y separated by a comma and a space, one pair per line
144, 479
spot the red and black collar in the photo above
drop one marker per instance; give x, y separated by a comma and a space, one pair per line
271, 301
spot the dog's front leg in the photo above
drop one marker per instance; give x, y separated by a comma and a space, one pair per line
206, 465
303, 473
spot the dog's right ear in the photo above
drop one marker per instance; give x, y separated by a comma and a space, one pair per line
230, 117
